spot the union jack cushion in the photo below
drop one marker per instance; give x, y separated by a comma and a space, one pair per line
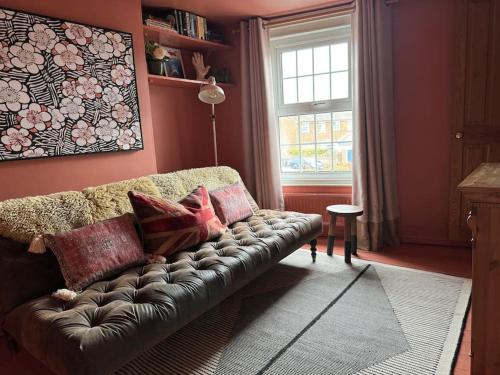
169, 226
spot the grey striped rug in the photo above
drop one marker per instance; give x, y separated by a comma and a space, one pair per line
322, 318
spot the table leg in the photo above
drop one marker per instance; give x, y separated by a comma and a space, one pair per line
354, 236
347, 240
331, 234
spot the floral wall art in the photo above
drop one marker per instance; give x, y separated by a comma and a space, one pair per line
65, 88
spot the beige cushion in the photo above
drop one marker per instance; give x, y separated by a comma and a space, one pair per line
22, 219
111, 200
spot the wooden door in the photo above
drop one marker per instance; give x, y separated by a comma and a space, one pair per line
476, 128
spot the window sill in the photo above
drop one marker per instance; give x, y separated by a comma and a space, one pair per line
317, 183
339, 181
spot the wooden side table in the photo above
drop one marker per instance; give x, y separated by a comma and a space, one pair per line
349, 213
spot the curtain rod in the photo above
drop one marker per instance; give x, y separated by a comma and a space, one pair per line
334, 7
298, 16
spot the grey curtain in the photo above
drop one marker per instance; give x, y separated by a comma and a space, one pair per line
261, 140
374, 167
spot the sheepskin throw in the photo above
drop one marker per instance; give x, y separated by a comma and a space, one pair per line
176, 185
111, 200
23, 219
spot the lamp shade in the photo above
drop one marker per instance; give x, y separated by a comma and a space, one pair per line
211, 93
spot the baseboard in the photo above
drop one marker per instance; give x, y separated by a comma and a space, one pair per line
432, 241
414, 240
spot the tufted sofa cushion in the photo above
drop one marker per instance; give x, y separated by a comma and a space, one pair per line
113, 321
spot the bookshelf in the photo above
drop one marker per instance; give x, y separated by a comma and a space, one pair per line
157, 80
171, 38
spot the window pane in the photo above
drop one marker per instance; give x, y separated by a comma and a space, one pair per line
304, 62
321, 87
342, 126
314, 142
289, 130
323, 127
324, 157
322, 142
307, 129
340, 57
290, 90
321, 59
288, 64
342, 157
336, 125
340, 85
305, 89
290, 158
308, 158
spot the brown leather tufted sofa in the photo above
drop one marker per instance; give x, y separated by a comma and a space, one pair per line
113, 321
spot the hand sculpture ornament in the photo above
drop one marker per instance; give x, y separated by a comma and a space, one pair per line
199, 66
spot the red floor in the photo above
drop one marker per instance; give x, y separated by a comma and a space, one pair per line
448, 260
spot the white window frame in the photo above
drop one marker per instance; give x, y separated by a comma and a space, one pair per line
309, 39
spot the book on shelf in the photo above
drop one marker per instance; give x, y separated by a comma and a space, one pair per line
191, 25
152, 22
185, 23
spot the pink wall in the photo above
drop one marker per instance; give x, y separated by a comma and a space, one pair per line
229, 117
176, 125
423, 68
175, 112
183, 129
31, 177
423, 41
181, 134
182, 124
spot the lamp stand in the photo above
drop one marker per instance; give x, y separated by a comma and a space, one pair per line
214, 135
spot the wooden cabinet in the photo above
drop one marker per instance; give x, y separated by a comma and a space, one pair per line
482, 191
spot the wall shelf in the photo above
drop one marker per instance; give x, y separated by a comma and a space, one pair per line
171, 38
157, 80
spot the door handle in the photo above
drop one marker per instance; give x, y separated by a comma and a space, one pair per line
459, 135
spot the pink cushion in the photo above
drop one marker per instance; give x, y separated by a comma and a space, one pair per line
96, 251
231, 204
169, 226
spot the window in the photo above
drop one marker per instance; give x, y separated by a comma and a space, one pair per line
312, 87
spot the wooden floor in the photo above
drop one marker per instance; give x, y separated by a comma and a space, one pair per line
448, 260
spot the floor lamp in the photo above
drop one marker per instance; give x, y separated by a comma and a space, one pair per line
212, 94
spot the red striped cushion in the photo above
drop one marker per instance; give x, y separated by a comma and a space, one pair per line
96, 251
169, 226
